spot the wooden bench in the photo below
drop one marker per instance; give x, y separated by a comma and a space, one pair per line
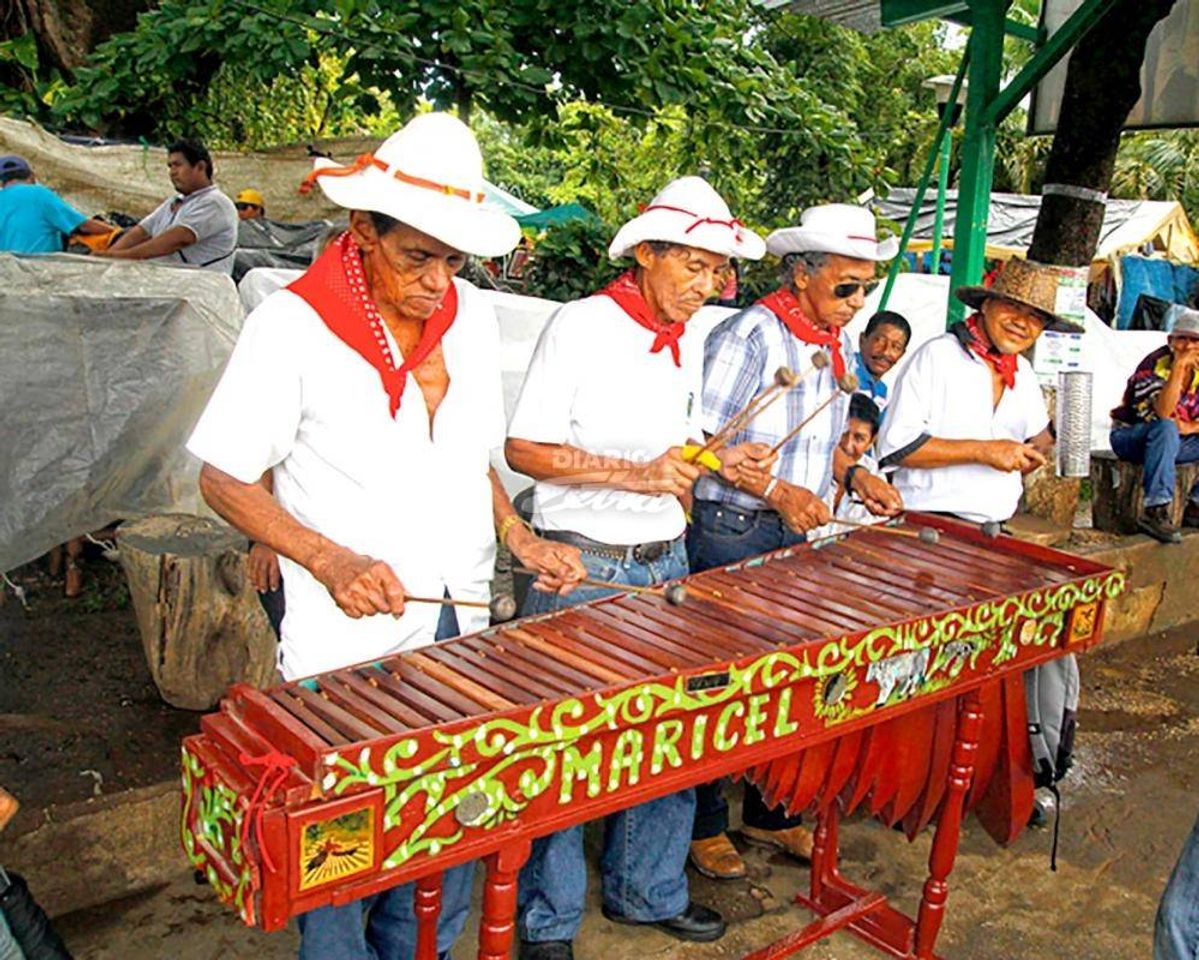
1118, 496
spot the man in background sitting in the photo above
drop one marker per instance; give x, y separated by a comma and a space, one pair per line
1157, 425
35, 219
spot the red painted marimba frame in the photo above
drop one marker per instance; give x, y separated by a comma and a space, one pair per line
919, 719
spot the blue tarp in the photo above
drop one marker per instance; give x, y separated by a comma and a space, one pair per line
1171, 282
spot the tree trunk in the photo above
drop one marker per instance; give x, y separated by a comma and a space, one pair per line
68, 30
1103, 83
201, 624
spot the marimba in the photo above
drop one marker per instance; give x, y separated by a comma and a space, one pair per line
869, 671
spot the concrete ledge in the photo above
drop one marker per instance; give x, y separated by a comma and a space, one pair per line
1163, 584
88, 853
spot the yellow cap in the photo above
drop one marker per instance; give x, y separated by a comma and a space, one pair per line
250, 195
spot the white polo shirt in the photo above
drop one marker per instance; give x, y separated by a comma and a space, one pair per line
945, 391
295, 398
593, 384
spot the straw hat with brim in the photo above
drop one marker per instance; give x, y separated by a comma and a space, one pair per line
842, 229
428, 175
1027, 284
687, 211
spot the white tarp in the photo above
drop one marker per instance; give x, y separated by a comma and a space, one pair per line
104, 369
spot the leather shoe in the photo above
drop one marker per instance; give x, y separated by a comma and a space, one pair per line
697, 924
716, 857
1156, 522
796, 841
546, 950
1190, 516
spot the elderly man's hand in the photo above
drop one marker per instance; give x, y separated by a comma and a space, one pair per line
263, 568
799, 507
669, 474
746, 461
1011, 456
361, 586
559, 565
880, 498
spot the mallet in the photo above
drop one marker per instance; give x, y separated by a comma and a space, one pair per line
847, 384
784, 379
992, 529
502, 607
675, 593
925, 534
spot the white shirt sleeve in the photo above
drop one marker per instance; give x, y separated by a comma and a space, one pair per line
543, 409
252, 417
909, 414
486, 337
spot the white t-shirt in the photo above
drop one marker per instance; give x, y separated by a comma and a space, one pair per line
294, 397
945, 391
212, 219
593, 384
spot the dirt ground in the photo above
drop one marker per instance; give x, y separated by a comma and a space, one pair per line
77, 670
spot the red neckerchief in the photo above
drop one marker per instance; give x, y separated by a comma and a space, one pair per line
335, 287
628, 297
1002, 363
784, 305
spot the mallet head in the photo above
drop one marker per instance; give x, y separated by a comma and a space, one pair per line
992, 529
819, 360
930, 536
502, 607
848, 383
676, 594
785, 377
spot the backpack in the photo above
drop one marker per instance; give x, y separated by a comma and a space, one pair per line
1051, 695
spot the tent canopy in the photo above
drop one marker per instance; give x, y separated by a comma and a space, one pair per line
555, 216
1128, 225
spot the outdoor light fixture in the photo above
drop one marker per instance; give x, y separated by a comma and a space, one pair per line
942, 87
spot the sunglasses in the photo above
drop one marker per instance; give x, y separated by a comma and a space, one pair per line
843, 291
247, 206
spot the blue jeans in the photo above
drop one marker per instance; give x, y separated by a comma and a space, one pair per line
383, 925
1159, 446
1176, 933
720, 535
645, 848
9, 948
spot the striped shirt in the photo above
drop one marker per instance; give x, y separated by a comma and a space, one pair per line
740, 359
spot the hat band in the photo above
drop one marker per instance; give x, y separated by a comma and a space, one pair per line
733, 224
366, 160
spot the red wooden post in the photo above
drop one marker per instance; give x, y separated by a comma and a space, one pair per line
427, 907
497, 927
824, 847
949, 827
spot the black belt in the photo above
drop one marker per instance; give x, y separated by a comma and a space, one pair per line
637, 552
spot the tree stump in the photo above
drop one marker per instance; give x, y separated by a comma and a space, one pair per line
201, 624
1118, 495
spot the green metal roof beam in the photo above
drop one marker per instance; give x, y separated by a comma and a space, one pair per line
895, 13
1045, 59
1013, 28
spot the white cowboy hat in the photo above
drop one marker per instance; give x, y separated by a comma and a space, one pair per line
689, 212
428, 175
840, 228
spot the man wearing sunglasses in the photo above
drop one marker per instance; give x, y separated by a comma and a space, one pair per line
828, 268
250, 205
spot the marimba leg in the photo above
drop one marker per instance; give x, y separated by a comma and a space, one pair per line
497, 928
949, 828
825, 848
426, 904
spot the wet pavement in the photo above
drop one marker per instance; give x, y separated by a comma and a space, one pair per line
1128, 805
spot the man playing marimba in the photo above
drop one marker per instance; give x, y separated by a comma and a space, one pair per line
609, 397
381, 492
967, 418
828, 266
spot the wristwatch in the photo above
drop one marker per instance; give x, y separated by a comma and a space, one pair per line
849, 472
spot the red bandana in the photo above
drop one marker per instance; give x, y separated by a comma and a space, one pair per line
1002, 363
628, 296
335, 287
784, 305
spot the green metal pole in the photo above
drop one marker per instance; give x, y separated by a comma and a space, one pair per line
942, 186
978, 150
922, 186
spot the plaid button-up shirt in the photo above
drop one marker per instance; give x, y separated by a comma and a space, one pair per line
741, 356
